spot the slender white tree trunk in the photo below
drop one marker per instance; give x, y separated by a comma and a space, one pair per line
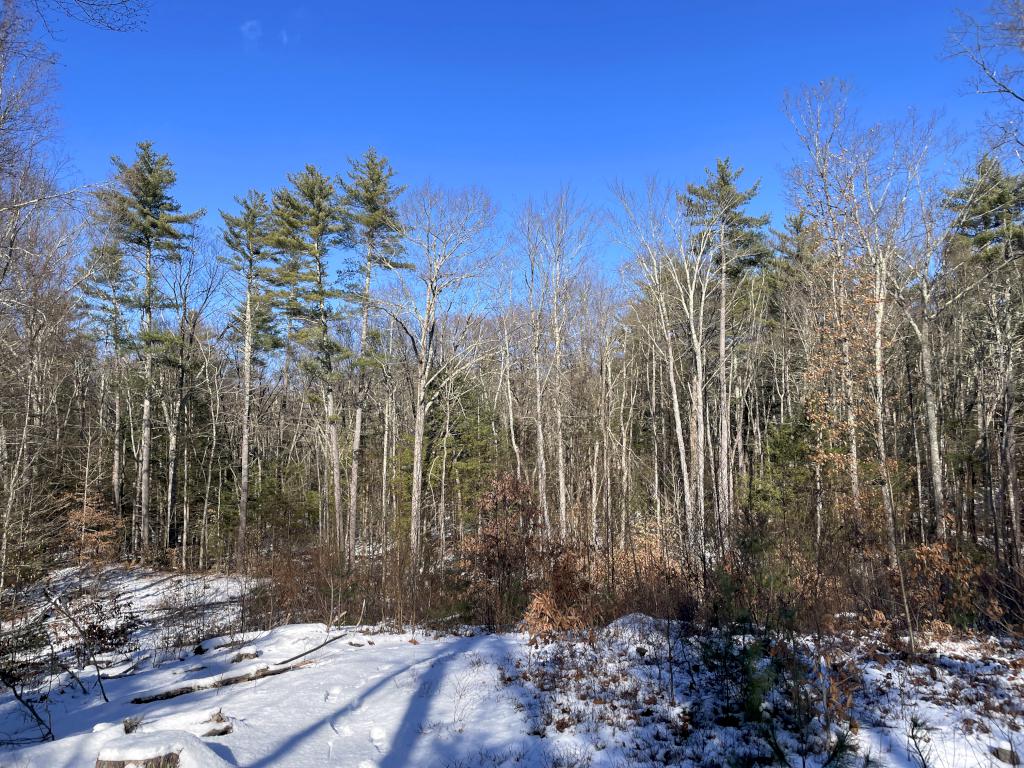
879, 377
724, 496
419, 429
243, 492
357, 423
147, 415
538, 392
559, 435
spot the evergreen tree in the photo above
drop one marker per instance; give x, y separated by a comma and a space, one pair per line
991, 209
147, 223
247, 235
107, 288
370, 195
718, 207
798, 242
309, 222
785, 272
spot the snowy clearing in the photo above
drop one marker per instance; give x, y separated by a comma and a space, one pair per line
639, 692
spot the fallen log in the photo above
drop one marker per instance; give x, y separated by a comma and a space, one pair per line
221, 682
161, 761
247, 677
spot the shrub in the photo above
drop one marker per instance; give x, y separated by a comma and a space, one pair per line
500, 562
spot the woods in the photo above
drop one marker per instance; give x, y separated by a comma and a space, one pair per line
365, 378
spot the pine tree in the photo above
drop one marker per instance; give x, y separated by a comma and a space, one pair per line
247, 235
991, 208
107, 290
370, 195
309, 222
147, 223
718, 207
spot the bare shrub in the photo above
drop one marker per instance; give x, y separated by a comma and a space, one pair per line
545, 617
301, 585
952, 587
502, 563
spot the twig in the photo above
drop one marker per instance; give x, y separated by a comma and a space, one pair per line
47, 731
316, 648
92, 656
132, 666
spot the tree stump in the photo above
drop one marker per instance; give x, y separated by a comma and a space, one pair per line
163, 761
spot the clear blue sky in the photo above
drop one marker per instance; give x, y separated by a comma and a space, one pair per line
518, 97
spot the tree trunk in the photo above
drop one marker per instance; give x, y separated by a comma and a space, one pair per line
542, 467
932, 425
419, 429
243, 491
357, 425
115, 457
146, 449
556, 328
694, 536
334, 452
724, 501
879, 377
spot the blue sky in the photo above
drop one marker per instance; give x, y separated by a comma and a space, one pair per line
519, 98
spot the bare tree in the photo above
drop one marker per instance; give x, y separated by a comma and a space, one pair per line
436, 302
994, 44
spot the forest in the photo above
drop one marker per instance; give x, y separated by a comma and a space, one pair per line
710, 473
399, 386
375, 395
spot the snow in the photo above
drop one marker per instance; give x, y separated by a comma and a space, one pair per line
639, 692
191, 752
389, 704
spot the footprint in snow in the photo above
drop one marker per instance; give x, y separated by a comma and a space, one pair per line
345, 730
332, 695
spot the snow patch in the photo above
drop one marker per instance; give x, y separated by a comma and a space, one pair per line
191, 752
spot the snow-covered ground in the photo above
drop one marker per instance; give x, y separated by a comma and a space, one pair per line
365, 700
639, 692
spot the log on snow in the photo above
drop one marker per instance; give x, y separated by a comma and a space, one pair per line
248, 677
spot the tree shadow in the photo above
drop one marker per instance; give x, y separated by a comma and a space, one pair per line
459, 751
404, 740
293, 741
407, 739
223, 751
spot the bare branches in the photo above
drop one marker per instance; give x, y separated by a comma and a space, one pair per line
994, 44
111, 15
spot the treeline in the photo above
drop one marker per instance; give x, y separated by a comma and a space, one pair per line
402, 392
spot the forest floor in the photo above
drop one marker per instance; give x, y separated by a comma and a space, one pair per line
640, 692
